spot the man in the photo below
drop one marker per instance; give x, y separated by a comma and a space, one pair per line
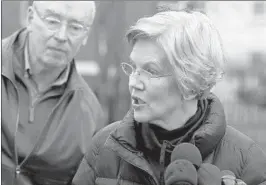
49, 113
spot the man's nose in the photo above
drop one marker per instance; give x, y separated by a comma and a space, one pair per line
61, 33
135, 82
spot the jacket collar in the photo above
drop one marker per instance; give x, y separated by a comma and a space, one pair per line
205, 138
13, 48
213, 128
123, 142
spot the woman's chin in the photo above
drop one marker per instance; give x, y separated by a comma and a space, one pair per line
140, 117
145, 118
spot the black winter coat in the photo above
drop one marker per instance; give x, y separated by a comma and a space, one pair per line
113, 157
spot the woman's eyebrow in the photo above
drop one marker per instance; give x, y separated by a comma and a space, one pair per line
147, 63
153, 64
130, 61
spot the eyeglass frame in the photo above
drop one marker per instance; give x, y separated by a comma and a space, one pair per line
150, 76
43, 18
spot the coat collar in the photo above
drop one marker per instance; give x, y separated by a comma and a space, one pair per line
205, 138
213, 129
11, 46
13, 49
123, 142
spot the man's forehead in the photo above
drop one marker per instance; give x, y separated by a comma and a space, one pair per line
70, 9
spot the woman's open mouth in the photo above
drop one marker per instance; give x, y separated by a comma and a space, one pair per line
137, 102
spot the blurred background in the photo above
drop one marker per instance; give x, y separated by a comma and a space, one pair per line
242, 26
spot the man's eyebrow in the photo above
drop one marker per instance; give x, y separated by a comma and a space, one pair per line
49, 11
77, 21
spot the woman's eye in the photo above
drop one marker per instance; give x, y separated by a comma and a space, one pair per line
133, 65
152, 71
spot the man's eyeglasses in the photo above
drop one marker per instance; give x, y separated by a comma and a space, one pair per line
147, 74
54, 24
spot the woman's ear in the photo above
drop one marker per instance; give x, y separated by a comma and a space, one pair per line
29, 18
189, 97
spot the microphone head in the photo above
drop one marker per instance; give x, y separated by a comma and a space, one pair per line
209, 174
188, 152
180, 172
227, 173
227, 176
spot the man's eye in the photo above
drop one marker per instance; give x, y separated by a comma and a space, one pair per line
52, 21
76, 27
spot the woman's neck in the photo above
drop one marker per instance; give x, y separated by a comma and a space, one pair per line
180, 116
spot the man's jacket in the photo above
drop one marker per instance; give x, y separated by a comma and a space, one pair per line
114, 157
64, 137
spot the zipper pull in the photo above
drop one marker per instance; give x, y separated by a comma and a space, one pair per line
31, 114
17, 171
32, 107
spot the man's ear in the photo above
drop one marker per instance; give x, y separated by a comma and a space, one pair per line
84, 42
29, 17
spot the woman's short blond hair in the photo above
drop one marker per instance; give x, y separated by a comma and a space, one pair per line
192, 46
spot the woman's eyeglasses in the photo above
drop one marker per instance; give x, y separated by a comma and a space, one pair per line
147, 74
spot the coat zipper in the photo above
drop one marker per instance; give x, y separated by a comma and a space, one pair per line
139, 154
150, 178
44, 130
17, 166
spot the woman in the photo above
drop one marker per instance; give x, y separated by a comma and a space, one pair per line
176, 59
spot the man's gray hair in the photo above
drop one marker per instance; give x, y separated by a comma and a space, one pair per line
91, 5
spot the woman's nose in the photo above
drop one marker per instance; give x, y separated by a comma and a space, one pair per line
135, 82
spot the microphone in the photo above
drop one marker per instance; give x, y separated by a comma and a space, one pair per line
229, 178
227, 173
209, 174
182, 169
180, 172
188, 152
